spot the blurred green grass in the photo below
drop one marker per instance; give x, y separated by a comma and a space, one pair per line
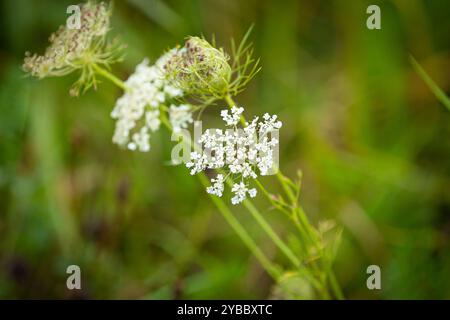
371, 139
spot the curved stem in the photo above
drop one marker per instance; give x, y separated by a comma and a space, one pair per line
108, 75
335, 285
271, 233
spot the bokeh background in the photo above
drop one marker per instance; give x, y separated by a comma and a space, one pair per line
372, 141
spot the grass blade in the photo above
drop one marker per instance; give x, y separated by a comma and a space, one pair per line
440, 95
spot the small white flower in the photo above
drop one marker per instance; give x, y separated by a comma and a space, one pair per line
232, 119
180, 116
270, 123
240, 190
140, 141
172, 91
217, 187
152, 120
198, 163
137, 110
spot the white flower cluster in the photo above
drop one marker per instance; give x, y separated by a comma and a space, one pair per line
180, 117
137, 110
232, 119
242, 153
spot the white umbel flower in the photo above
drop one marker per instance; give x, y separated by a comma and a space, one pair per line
240, 190
233, 118
137, 110
217, 187
242, 153
180, 116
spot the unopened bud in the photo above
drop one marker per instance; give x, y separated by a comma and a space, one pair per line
199, 68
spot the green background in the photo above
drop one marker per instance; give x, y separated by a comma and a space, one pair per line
371, 139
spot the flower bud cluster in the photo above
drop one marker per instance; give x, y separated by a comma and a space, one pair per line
199, 68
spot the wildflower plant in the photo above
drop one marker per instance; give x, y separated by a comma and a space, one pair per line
81, 49
161, 94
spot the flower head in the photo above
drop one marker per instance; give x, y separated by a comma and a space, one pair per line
232, 119
137, 110
71, 48
200, 68
240, 191
239, 153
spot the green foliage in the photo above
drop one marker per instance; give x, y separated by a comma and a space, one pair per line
368, 134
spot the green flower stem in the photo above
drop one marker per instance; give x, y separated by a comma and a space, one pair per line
277, 204
438, 92
108, 75
288, 213
335, 285
291, 215
271, 233
304, 241
299, 214
282, 179
279, 243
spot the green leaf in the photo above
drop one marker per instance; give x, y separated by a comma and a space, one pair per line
440, 95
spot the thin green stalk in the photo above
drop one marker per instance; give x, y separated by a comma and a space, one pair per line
275, 203
302, 233
108, 75
335, 285
278, 242
292, 216
440, 95
281, 178
271, 233
271, 269
288, 213
303, 241
229, 101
